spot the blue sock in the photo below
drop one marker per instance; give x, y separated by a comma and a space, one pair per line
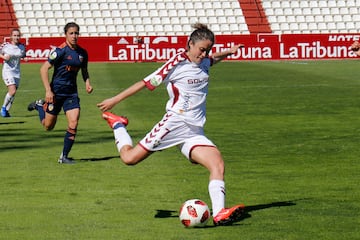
117, 125
68, 141
41, 112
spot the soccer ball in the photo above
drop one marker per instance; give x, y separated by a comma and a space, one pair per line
194, 213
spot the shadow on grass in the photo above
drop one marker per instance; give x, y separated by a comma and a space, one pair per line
4, 123
246, 213
97, 159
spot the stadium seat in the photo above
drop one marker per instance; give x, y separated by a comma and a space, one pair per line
276, 4
284, 26
300, 19
350, 26
234, 28
313, 26
207, 5
303, 4
331, 3
120, 29
177, 28
149, 29
322, 3
319, 18
325, 11
54, 30
281, 19
294, 27
291, 19
294, 4
315, 11
344, 11
68, 14
222, 20
288, 12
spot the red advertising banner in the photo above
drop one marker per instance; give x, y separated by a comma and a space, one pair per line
161, 48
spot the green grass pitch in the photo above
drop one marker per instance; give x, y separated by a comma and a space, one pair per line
289, 133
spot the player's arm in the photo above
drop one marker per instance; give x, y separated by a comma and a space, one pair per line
356, 47
218, 56
5, 56
44, 74
109, 103
85, 75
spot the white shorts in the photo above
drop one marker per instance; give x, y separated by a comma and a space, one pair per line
173, 131
9, 80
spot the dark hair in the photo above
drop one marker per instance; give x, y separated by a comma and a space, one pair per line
15, 30
69, 25
201, 32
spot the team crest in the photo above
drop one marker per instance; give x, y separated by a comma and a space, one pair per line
50, 107
53, 55
156, 80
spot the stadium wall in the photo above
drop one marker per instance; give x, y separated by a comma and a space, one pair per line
159, 49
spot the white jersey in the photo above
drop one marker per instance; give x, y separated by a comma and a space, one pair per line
11, 68
187, 86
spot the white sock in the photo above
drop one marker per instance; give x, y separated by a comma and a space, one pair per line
217, 195
8, 100
122, 138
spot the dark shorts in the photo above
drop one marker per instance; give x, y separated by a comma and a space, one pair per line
65, 102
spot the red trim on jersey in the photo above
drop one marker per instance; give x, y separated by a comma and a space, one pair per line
176, 94
144, 147
62, 45
148, 85
166, 68
3, 45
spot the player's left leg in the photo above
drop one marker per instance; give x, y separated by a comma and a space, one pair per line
210, 157
70, 134
71, 106
8, 100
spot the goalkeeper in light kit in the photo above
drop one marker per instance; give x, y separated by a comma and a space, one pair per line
186, 76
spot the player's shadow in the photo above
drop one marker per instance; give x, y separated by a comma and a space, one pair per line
246, 214
7, 123
258, 207
95, 159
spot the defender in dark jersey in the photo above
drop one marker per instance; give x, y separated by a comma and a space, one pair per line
61, 92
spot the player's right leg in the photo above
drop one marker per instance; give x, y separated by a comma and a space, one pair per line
129, 155
38, 105
48, 112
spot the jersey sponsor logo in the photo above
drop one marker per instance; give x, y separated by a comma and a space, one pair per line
72, 68
197, 81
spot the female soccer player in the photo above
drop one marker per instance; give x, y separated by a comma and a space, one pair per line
186, 76
356, 47
11, 52
67, 60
